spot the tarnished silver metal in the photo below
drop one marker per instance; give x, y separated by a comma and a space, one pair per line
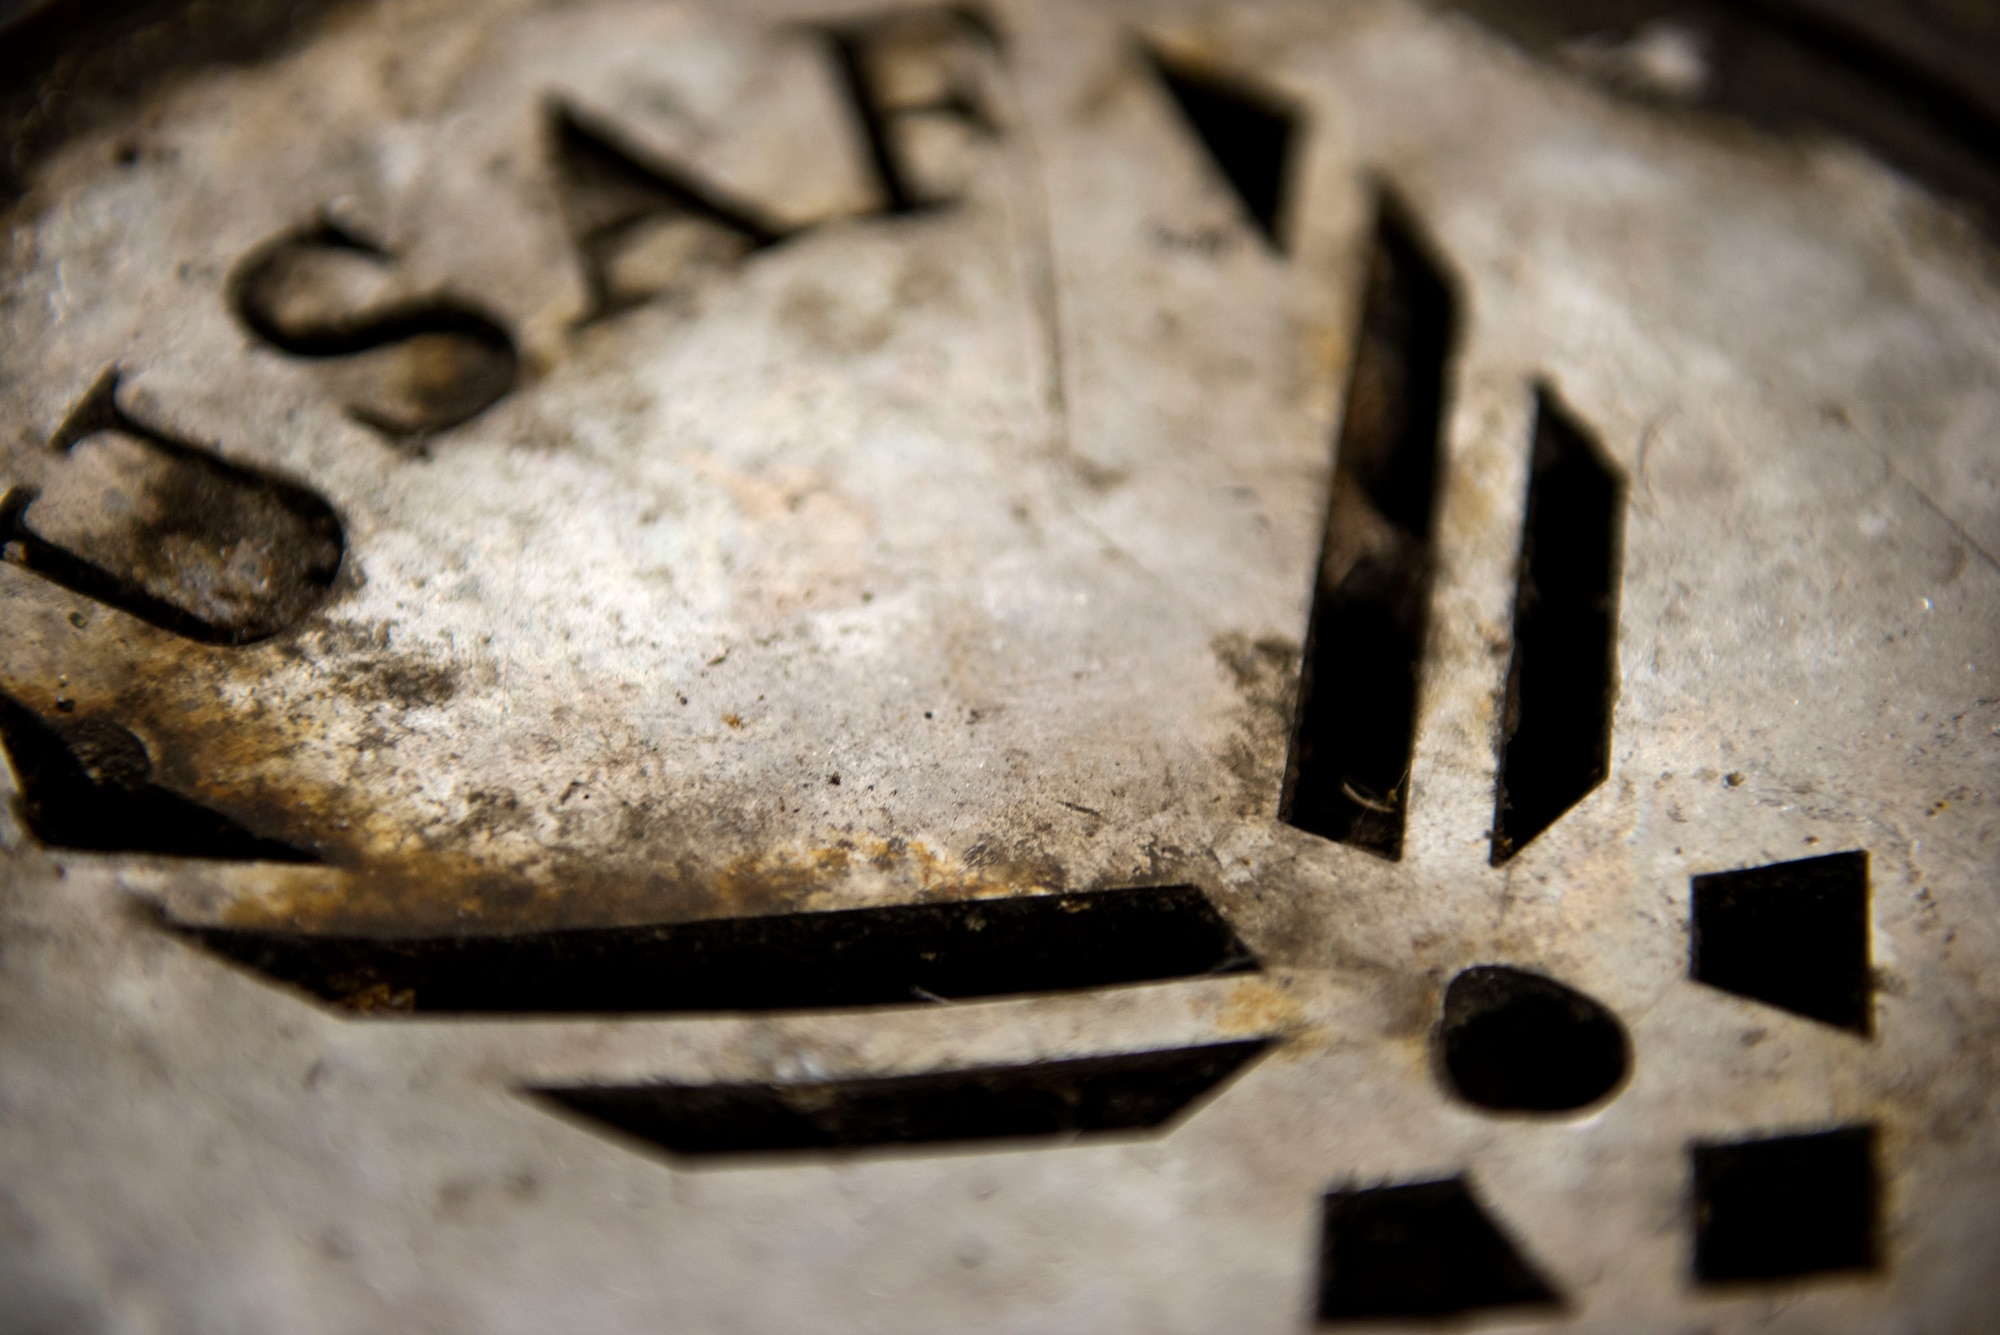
927, 506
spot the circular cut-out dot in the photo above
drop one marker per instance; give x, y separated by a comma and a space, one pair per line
1514, 1041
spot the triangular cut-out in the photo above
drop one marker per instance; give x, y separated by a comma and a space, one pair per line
1786, 1206
1419, 1249
1792, 935
1127, 1092
1249, 133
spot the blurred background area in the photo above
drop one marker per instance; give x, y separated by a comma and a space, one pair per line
1917, 81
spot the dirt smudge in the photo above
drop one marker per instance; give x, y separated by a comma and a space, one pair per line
1266, 676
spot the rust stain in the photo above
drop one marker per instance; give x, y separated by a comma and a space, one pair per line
1259, 1006
220, 734
448, 893
379, 999
1265, 673
913, 868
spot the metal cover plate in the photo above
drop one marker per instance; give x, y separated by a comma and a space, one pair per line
926, 506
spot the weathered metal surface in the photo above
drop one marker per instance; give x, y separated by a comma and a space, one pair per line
934, 514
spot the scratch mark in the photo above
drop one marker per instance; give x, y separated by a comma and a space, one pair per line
1940, 512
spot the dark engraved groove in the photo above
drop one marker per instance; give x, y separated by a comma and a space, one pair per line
1556, 719
1786, 1206
853, 957
1348, 775
1251, 136
88, 784
1514, 1041
616, 198
1794, 935
870, 55
1128, 1092
441, 362
171, 533
1420, 1249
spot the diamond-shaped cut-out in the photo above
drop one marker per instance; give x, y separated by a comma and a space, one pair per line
1785, 1206
1419, 1249
1792, 934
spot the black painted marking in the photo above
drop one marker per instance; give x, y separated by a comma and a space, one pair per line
1129, 1092
1421, 1249
208, 549
616, 195
87, 783
1514, 1041
1793, 935
853, 957
1556, 721
1251, 135
442, 361
1348, 776
1787, 1206
870, 53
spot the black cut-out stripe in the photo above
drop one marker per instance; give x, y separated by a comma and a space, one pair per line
1561, 683
853, 957
1126, 1092
1348, 774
